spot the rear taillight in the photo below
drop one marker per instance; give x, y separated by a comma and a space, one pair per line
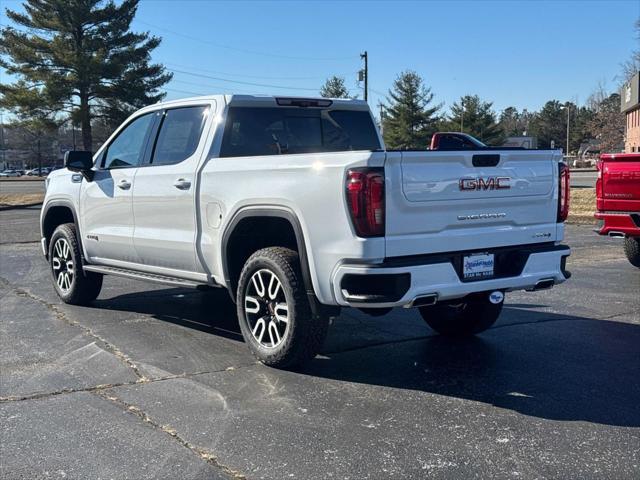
563, 192
365, 198
599, 186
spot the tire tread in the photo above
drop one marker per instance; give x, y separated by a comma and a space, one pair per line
309, 332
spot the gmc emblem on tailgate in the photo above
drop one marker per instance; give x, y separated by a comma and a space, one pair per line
488, 183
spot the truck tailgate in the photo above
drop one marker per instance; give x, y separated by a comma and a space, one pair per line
443, 201
618, 184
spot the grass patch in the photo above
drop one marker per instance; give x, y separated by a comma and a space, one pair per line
20, 199
582, 205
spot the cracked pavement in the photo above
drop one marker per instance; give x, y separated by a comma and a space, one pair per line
155, 382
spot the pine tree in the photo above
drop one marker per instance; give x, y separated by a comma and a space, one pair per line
410, 117
550, 125
79, 57
477, 119
334, 87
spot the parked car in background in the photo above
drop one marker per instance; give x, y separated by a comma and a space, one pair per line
10, 173
42, 172
618, 200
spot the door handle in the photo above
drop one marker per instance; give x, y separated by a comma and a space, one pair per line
182, 184
124, 184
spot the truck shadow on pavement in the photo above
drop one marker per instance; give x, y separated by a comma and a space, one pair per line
545, 365
553, 367
209, 312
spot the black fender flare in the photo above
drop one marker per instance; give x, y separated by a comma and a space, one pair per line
61, 203
278, 212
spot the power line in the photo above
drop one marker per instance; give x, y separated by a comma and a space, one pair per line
242, 50
183, 91
184, 72
188, 67
377, 91
218, 87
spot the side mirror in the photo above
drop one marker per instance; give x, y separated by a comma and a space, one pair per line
79, 161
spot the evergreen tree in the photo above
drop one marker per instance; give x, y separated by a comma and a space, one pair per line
79, 57
473, 116
550, 125
509, 121
334, 87
580, 119
410, 118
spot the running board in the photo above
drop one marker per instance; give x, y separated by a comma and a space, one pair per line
146, 277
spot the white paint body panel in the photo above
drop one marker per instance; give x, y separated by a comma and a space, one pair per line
157, 228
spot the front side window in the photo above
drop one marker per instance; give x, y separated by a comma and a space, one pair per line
254, 131
128, 147
179, 134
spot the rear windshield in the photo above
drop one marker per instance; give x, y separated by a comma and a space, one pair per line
282, 130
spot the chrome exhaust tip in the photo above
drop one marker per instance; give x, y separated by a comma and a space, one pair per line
544, 284
424, 300
616, 234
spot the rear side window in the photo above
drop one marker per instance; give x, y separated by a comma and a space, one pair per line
253, 131
179, 135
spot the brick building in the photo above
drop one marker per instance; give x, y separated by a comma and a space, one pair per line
630, 106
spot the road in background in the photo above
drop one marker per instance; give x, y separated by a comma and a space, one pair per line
151, 381
21, 186
583, 179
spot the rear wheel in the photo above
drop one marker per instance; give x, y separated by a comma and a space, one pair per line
72, 284
468, 316
632, 250
274, 312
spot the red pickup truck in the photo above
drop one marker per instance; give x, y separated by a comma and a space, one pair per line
618, 200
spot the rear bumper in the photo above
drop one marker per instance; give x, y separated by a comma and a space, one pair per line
437, 277
618, 223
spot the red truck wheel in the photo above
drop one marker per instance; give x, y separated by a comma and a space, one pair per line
632, 250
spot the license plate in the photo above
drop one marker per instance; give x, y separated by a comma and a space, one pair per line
476, 266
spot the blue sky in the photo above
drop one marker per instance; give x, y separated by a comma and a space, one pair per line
509, 52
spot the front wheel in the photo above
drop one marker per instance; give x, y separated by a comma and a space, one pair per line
274, 311
632, 250
72, 284
468, 316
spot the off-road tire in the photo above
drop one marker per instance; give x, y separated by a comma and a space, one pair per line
632, 250
468, 316
83, 287
304, 333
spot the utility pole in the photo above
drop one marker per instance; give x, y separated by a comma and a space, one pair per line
462, 117
365, 73
568, 118
381, 107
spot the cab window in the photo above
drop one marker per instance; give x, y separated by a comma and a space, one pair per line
127, 149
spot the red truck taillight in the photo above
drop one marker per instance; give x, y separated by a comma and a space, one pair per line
365, 198
563, 192
599, 186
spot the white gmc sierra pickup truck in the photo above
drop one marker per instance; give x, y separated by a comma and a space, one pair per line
294, 206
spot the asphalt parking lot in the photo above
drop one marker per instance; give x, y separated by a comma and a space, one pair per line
155, 382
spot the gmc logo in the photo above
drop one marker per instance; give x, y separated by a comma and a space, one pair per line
489, 183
